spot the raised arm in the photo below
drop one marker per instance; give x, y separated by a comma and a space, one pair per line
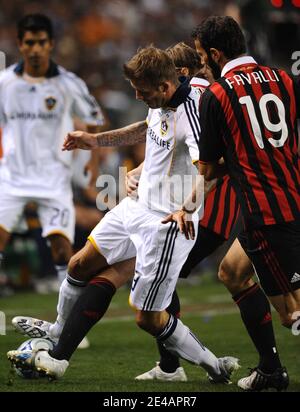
128, 135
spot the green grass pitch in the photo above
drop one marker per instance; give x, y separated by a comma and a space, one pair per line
119, 350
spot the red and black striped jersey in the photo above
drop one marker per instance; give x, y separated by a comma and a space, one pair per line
221, 208
250, 118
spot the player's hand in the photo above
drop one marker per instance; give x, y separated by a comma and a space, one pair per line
80, 140
184, 222
132, 183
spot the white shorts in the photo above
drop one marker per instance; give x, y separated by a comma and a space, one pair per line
130, 230
57, 216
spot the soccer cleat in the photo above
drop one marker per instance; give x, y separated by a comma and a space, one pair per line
39, 361
34, 328
258, 380
37, 328
21, 359
158, 374
227, 365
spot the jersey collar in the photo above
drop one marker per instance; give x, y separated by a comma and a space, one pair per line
181, 93
240, 61
51, 72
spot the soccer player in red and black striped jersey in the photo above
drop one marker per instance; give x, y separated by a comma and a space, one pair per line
249, 120
220, 214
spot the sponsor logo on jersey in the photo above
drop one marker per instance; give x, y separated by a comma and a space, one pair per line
164, 127
50, 102
295, 278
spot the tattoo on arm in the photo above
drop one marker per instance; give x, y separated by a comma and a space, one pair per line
129, 135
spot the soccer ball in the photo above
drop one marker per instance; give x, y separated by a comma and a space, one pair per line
30, 345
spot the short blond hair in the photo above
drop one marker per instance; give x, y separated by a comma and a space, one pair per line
151, 65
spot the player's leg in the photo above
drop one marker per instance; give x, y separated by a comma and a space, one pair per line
181, 341
288, 307
168, 368
207, 242
83, 266
57, 217
236, 273
279, 275
158, 265
11, 210
62, 251
275, 253
108, 246
88, 309
236, 270
91, 306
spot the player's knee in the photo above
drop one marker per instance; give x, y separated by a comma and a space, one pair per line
234, 279
141, 321
147, 323
225, 275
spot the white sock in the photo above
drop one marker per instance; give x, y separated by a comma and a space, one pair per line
69, 292
61, 271
178, 339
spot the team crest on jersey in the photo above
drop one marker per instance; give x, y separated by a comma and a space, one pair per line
50, 102
164, 127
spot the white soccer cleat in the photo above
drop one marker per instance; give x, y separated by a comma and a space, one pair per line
228, 365
84, 344
34, 328
52, 367
39, 361
158, 374
258, 380
37, 328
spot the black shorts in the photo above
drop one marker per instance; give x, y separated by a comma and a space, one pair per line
206, 243
275, 253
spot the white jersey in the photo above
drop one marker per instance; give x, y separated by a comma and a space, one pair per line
35, 117
171, 149
199, 82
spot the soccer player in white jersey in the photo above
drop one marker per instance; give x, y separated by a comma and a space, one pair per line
38, 100
135, 228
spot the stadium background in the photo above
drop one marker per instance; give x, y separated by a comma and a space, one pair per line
93, 39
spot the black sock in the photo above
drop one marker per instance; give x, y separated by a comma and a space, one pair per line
87, 311
169, 362
256, 315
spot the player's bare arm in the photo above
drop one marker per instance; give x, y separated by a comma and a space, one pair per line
129, 135
93, 164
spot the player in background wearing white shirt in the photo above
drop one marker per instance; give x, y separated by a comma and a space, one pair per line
38, 101
135, 228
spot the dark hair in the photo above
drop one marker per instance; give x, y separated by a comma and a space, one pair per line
222, 33
151, 65
185, 56
35, 23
